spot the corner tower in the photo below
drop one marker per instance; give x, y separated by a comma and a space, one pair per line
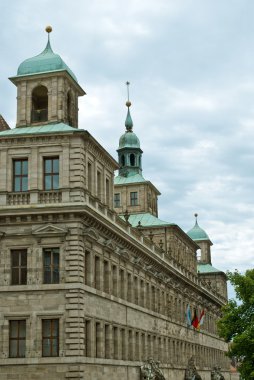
203, 241
47, 90
214, 277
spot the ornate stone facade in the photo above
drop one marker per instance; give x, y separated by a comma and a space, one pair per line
83, 293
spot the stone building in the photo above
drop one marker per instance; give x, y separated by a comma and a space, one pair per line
92, 283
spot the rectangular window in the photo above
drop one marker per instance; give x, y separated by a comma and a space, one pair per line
19, 267
51, 173
134, 198
20, 175
117, 200
99, 184
17, 339
107, 192
51, 265
89, 169
50, 337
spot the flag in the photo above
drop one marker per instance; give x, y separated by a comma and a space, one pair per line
202, 317
188, 316
195, 320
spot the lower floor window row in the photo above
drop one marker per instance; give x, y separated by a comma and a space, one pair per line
49, 338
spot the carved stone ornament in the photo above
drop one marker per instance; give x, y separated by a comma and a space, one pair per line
2, 235
216, 374
109, 243
50, 230
191, 372
124, 254
91, 232
150, 370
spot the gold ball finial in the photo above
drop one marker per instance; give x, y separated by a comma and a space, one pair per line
128, 103
48, 29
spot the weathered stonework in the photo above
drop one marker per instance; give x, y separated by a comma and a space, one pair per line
120, 296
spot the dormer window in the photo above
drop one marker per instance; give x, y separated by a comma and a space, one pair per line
39, 104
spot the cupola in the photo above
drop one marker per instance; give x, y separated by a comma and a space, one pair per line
47, 89
203, 241
129, 152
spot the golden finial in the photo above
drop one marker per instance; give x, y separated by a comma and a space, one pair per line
48, 29
128, 103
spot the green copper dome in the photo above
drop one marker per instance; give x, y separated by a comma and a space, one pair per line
129, 140
45, 62
197, 233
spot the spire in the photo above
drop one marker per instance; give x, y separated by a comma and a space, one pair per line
128, 121
48, 48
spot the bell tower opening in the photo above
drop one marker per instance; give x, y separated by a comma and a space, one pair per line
132, 159
123, 160
39, 104
69, 109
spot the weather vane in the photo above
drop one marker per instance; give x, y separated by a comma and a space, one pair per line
128, 103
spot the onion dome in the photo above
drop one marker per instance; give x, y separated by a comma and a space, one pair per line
197, 233
45, 62
129, 139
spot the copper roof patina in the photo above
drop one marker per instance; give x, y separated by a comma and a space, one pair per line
145, 220
38, 130
207, 268
45, 62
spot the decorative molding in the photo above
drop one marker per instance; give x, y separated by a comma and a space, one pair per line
124, 253
109, 243
50, 230
136, 260
92, 233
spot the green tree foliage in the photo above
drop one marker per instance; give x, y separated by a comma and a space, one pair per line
237, 322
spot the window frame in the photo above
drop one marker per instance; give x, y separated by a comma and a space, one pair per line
50, 337
50, 174
17, 339
117, 200
52, 267
20, 176
134, 199
22, 269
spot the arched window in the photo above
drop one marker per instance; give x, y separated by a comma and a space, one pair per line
123, 160
132, 159
69, 109
39, 104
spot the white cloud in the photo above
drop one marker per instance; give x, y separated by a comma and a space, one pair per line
192, 89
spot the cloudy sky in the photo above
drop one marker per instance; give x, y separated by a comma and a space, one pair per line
191, 68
